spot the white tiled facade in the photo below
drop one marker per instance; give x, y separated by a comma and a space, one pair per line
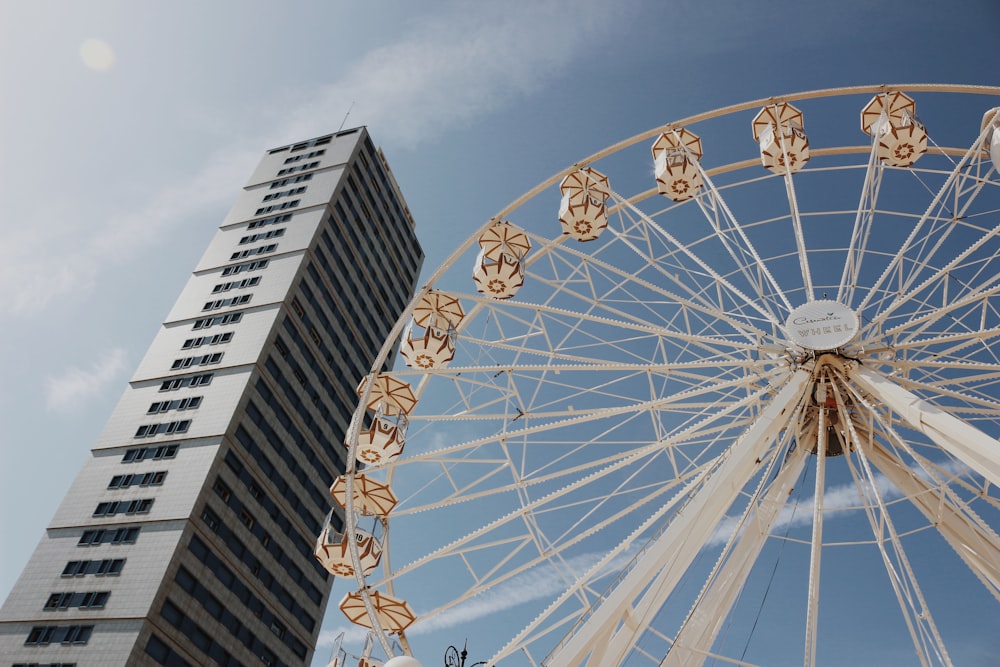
186, 537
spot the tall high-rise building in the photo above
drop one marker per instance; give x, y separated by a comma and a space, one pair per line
187, 537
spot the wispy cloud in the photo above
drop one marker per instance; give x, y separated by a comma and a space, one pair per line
42, 262
70, 390
458, 67
454, 68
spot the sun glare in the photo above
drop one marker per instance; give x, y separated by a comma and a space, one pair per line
97, 55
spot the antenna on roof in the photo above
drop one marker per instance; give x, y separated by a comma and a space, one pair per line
345, 117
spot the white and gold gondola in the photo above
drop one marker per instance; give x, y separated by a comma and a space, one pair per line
675, 157
389, 401
790, 145
583, 211
499, 268
891, 120
429, 338
992, 119
333, 550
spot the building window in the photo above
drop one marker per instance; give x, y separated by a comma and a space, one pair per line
231, 301
260, 250
80, 568
230, 318
284, 193
189, 403
237, 284
262, 236
304, 156
144, 479
168, 428
138, 506
289, 181
273, 220
248, 266
78, 634
41, 635
217, 339
192, 381
202, 360
302, 167
275, 207
58, 601
156, 453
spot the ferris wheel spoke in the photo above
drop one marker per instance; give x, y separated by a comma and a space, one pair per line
934, 315
700, 629
677, 546
699, 427
745, 255
861, 233
673, 401
927, 641
951, 203
522, 322
544, 555
610, 289
967, 443
738, 298
582, 588
975, 543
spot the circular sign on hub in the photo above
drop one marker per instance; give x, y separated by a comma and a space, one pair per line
822, 325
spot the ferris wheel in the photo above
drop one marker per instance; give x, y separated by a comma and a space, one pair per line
727, 392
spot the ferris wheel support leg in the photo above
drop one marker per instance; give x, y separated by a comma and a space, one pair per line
705, 620
978, 548
964, 441
675, 549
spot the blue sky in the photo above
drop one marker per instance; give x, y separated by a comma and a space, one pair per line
115, 179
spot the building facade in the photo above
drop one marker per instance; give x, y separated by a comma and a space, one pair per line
187, 537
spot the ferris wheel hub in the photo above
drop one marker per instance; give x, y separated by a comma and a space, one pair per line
822, 325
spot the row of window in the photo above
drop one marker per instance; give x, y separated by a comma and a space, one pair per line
189, 403
88, 600
316, 426
257, 569
288, 181
255, 265
273, 220
113, 507
203, 640
236, 284
206, 322
279, 515
158, 650
91, 538
139, 479
276, 207
41, 635
321, 141
100, 568
262, 236
190, 381
266, 426
231, 621
305, 156
291, 192
231, 301
302, 167
346, 282
165, 428
199, 360
44, 664
246, 517
136, 454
